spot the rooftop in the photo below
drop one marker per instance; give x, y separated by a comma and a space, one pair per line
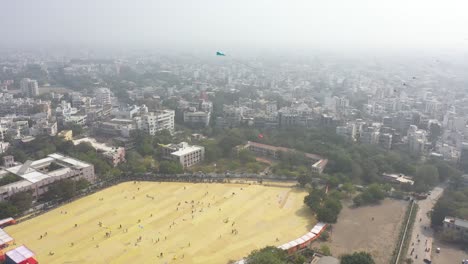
457, 221
186, 150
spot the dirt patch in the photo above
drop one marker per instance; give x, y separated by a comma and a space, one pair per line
449, 253
356, 231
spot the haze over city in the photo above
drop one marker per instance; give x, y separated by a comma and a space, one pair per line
238, 25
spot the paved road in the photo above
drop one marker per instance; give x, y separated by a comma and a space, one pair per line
423, 221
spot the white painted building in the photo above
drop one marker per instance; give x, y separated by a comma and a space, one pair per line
184, 153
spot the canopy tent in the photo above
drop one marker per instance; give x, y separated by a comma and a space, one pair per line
20, 255
5, 239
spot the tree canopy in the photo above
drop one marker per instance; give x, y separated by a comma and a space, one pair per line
357, 258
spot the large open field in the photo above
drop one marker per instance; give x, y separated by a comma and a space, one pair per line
356, 231
187, 223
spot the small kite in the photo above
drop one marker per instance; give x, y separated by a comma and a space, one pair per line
260, 135
219, 53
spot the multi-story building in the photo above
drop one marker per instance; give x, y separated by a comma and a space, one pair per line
398, 178
44, 127
184, 153
103, 96
114, 155
29, 87
348, 131
464, 155
197, 118
232, 115
385, 140
23, 106
369, 135
206, 106
458, 226
36, 176
318, 163
417, 139
154, 122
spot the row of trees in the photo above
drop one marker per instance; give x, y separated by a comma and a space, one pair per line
454, 202
18, 203
273, 255
327, 207
348, 161
373, 194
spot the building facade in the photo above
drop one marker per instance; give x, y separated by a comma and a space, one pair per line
36, 176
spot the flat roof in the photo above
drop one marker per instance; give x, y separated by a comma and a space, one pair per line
70, 161
186, 150
34, 176
4, 237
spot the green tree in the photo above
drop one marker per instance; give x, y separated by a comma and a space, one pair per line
304, 179
357, 258
22, 200
170, 167
267, 255
245, 156
9, 178
7, 210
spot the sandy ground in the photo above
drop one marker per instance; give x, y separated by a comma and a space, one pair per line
260, 215
355, 230
448, 253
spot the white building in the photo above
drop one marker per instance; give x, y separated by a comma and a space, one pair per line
398, 178
29, 87
417, 139
103, 96
154, 122
184, 153
115, 155
37, 175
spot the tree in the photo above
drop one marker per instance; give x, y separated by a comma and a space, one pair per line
357, 258
348, 188
61, 190
7, 210
82, 184
22, 200
9, 178
373, 194
267, 255
328, 215
246, 156
170, 167
426, 176
304, 179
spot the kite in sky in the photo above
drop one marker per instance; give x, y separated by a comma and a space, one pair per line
218, 53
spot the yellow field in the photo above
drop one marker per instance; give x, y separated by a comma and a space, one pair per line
192, 232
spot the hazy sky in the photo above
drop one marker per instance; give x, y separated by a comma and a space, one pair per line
235, 24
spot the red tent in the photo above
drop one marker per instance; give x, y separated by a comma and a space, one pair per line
20, 255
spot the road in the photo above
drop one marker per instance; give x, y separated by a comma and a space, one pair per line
421, 230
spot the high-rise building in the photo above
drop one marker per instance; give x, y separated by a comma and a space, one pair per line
153, 122
464, 156
29, 87
103, 96
417, 139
